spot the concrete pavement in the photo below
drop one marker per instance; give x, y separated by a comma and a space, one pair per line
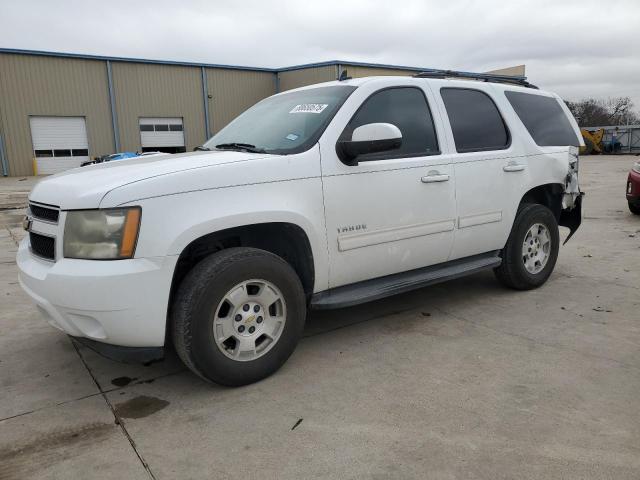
14, 191
460, 380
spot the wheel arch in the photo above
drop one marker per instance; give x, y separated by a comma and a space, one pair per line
285, 239
548, 194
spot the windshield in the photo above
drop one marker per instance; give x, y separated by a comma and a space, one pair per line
283, 124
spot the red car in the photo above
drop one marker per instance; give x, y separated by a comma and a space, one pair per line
633, 189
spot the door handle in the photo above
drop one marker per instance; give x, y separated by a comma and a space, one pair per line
514, 167
434, 177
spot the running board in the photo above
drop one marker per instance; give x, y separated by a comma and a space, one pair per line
382, 287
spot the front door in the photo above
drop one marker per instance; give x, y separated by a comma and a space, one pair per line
393, 211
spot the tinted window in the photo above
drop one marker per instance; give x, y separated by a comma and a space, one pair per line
82, 152
175, 128
44, 153
544, 119
407, 109
475, 120
162, 128
146, 128
62, 153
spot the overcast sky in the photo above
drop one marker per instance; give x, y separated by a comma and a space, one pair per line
575, 48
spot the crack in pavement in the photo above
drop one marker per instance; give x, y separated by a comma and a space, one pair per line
13, 237
114, 389
117, 418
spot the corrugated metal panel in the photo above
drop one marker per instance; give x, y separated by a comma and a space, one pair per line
130, 59
233, 91
147, 90
47, 86
4, 167
306, 76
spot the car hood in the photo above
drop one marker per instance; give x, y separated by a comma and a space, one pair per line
85, 187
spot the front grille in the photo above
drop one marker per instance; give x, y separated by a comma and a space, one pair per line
44, 213
43, 246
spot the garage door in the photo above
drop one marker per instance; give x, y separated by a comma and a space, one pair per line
59, 143
162, 134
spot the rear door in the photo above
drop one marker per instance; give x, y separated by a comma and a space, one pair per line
394, 211
490, 168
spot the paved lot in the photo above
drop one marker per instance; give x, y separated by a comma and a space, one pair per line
461, 380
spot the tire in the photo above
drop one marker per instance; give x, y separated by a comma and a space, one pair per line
201, 302
634, 208
514, 272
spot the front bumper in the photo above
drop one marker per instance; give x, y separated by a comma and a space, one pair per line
117, 302
633, 187
145, 355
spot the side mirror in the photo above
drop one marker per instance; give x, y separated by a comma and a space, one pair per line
369, 138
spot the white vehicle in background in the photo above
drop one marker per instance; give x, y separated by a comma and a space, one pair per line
322, 197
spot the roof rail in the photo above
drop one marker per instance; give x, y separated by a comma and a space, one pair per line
485, 77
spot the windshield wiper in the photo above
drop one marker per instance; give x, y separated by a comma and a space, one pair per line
201, 148
247, 147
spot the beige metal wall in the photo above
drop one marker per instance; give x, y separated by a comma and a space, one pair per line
58, 86
36, 85
517, 70
233, 91
149, 90
305, 76
358, 72
308, 76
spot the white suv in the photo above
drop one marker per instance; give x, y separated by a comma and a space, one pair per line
321, 197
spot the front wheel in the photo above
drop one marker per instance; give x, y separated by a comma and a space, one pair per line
238, 316
531, 251
634, 207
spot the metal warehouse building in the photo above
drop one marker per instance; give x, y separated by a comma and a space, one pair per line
57, 109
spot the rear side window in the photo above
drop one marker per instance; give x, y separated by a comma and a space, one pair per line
475, 120
407, 109
544, 118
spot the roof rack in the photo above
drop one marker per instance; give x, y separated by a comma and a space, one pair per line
485, 77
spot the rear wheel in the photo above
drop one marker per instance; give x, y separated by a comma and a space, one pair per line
634, 208
238, 316
531, 251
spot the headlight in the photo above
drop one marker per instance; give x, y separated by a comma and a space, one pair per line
636, 167
101, 234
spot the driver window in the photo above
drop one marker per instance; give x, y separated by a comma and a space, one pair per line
407, 109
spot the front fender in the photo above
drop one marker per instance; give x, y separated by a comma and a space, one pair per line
170, 223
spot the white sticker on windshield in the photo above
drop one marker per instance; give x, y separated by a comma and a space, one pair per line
309, 108
292, 137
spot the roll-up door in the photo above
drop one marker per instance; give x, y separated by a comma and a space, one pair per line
162, 134
59, 143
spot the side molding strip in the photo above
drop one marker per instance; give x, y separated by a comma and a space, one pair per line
365, 239
473, 220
